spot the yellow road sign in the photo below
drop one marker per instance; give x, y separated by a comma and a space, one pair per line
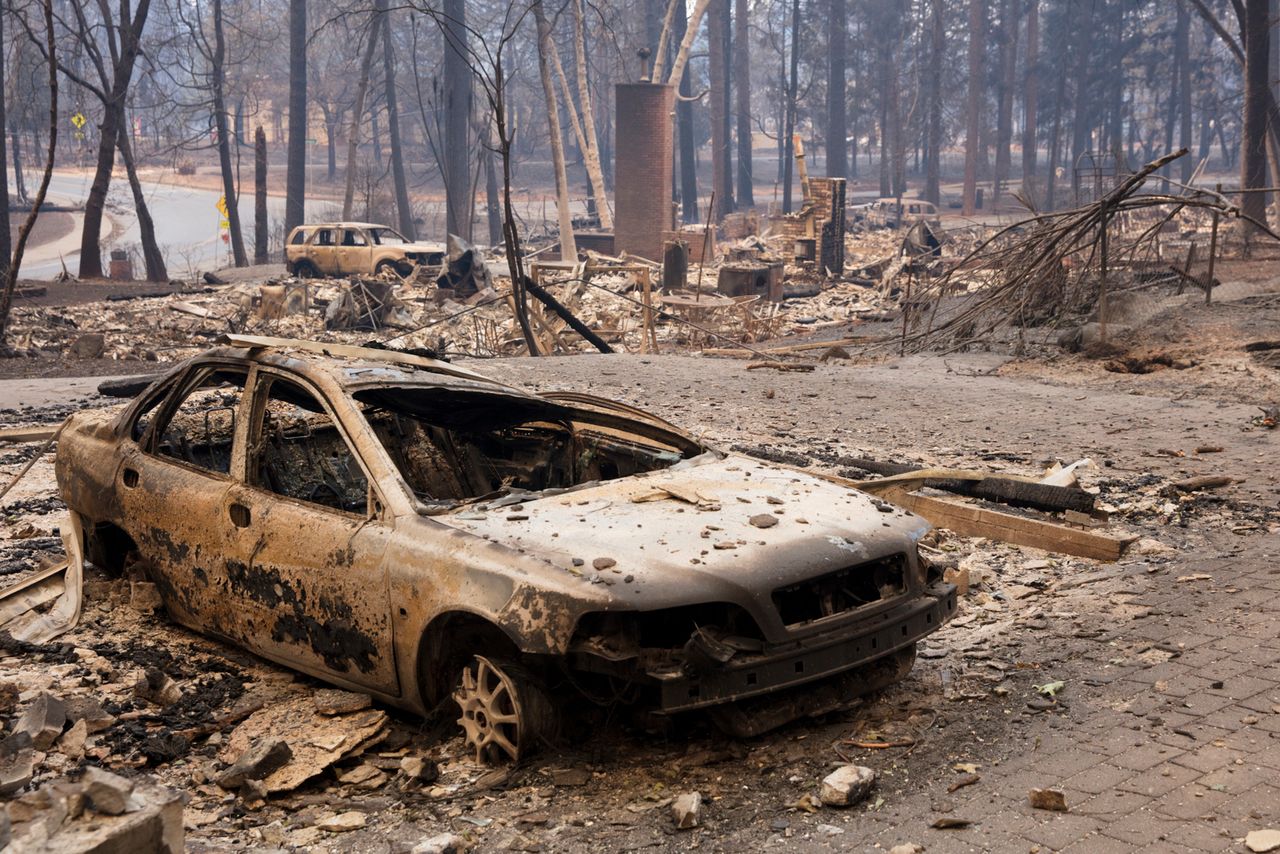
78, 120
222, 206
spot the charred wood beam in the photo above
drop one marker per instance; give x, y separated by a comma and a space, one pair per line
1016, 493
541, 295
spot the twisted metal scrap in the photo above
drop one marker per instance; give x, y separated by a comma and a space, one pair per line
1042, 262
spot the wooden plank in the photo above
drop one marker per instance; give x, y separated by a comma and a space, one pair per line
27, 434
969, 520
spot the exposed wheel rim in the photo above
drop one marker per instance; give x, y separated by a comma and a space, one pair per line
492, 720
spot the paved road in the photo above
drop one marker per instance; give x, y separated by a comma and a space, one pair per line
186, 221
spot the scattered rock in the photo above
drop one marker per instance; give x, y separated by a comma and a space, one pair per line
603, 563
950, 823
256, 763
1208, 481
334, 701
144, 597
72, 742
8, 698
444, 843
847, 785
764, 520
87, 708
570, 777
341, 823
686, 810
419, 769
1148, 546
108, 793
906, 848
157, 688
43, 720
1262, 841
16, 763
91, 345
959, 576
1048, 799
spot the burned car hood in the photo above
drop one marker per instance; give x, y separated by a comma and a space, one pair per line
712, 528
423, 247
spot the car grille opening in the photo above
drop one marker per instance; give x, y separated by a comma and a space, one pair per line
841, 591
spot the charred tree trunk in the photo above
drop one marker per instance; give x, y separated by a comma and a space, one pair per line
591, 152
296, 168
6, 243
973, 104
1257, 86
1030, 103
720, 176
793, 82
260, 196
885, 66
10, 279
152, 258
568, 247
224, 140
1004, 116
742, 91
684, 135
19, 183
403, 208
357, 111
726, 60
837, 67
933, 142
493, 204
457, 120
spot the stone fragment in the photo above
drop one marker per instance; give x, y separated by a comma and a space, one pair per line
906, 848
419, 769
570, 777
155, 687
88, 709
959, 576
333, 701
107, 793
8, 698
847, 785
263, 757
686, 810
1262, 841
91, 345
343, 822
144, 597
71, 744
1048, 799
444, 843
602, 563
16, 763
43, 720
763, 520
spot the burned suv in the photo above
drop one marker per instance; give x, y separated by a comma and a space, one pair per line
356, 248
408, 528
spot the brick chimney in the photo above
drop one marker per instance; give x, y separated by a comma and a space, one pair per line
642, 168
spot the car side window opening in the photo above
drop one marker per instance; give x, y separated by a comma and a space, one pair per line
386, 237
299, 238
202, 428
324, 237
351, 237
301, 454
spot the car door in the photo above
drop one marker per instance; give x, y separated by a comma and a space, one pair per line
323, 251
314, 577
175, 488
355, 254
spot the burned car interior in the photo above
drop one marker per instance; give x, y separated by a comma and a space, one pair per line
456, 446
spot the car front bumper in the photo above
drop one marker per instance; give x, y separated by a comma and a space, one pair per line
811, 659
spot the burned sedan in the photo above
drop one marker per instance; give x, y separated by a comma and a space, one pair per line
407, 528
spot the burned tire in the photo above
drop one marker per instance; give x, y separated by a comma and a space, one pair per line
505, 712
305, 270
400, 268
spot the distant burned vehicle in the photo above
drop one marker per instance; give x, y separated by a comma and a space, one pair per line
408, 528
895, 213
356, 248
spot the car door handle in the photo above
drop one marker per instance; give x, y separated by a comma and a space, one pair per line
240, 515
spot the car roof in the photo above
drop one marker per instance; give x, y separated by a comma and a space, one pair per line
343, 225
351, 365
